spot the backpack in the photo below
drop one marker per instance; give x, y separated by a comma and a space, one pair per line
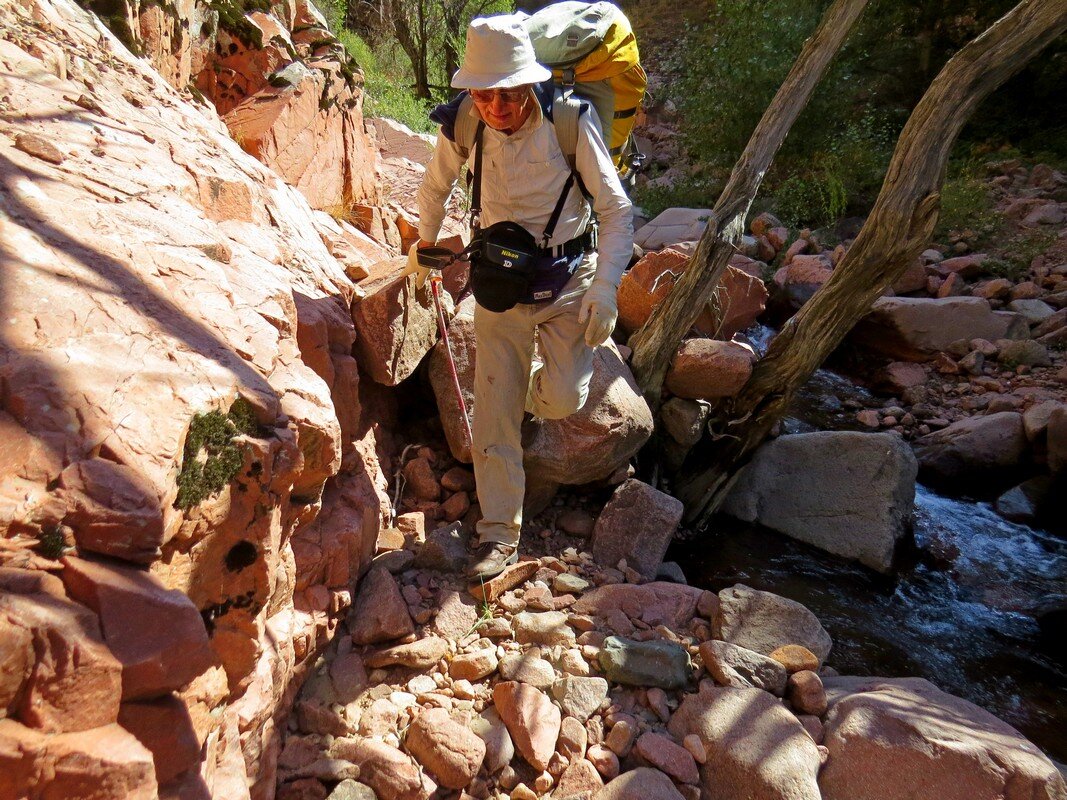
592, 52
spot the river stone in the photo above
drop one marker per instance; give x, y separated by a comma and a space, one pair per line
901, 738
450, 752
848, 493
643, 783
499, 749
763, 622
768, 756
545, 627
352, 790
656, 603
742, 668
652, 663
579, 697
987, 448
533, 721
527, 667
420, 654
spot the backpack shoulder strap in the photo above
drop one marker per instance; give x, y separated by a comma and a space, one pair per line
566, 108
466, 126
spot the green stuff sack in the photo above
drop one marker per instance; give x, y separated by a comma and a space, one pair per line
592, 52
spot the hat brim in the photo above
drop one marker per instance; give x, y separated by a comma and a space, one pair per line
535, 73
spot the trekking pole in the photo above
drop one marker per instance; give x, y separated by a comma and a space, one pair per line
435, 289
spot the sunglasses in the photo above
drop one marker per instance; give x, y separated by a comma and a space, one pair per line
507, 95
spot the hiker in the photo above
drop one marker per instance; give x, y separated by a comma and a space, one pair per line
535, 271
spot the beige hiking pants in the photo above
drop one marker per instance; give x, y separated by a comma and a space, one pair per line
503, 390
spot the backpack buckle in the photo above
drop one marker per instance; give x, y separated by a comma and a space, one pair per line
568, 77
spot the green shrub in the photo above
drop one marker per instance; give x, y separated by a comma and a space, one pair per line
211, 459
386, 85
50, 542
966, 205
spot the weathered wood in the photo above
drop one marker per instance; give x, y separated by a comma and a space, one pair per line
655, 344
898, 228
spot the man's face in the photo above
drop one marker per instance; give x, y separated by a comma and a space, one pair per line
503, 109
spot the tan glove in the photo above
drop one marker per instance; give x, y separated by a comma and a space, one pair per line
600, 308
413, 267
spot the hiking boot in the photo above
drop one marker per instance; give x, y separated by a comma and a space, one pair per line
489, 559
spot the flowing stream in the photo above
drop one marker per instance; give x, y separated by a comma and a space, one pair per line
962, 611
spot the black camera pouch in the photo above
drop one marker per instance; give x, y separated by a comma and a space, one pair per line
503, 264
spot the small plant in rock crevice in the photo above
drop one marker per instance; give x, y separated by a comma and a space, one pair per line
211, 458
50, 542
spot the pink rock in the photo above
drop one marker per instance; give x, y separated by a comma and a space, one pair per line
458, 479
605, 761
637, 524
805, 691
421, 481
474, 666
379, 613
105, 763
455, 507
75, 682
795, 249
912, 280
451, 752
802, 276
968, 267
580, 781
669, 757
164, 727
656, 603
643, 783
397, 326
388, 771
763, 223
649, 281
531, 718
112, 510
706, 369
156, 633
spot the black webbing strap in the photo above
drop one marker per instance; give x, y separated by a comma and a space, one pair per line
550, 228
476, 191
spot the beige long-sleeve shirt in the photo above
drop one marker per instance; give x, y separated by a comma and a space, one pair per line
522, 177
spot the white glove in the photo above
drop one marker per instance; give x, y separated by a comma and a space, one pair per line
601, 309
413, 267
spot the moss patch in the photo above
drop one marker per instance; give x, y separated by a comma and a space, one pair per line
212, 459
50, 543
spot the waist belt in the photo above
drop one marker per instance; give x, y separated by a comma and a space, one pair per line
575, 247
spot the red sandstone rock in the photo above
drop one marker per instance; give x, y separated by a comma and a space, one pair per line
379, 613
104, 763
75, 682
156, 633
385, 769
642, 783
637, 524
649, 281
531, 718
508, 579
657, 603
165, 728
667, 756
451, 752
705, 369
580, 781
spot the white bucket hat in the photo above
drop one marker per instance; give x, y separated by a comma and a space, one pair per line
499, 55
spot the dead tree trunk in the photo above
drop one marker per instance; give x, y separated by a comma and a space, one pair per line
899, 226
654, 345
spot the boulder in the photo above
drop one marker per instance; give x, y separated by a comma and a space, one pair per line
103, 763
706, 369
69, 680
396, 326
452, 753
769, 757
164, 727
742, 295
379, 613
637, 524
388, 771
531, 718
917, 328
851, 494
587, 446
656, 603
157, 634
642, 783
763, 621
986, 449
672, 226
742, 668
802, 276
891, 739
